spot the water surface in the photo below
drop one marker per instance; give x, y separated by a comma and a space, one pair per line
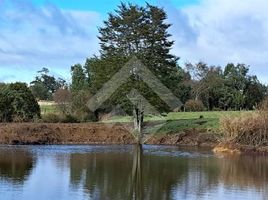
127, 172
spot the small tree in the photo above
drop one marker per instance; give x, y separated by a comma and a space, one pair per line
17, 104
45, 85
194, 106
63, 97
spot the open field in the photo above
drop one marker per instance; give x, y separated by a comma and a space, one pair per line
181, 116
47, 107
173, 122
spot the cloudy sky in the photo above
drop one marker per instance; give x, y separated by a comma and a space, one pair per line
59, 33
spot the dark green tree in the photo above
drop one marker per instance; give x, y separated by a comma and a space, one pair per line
18, 104
79, 79
45, 85
40, 91
233, 88
246, 90
141, 32
207, 83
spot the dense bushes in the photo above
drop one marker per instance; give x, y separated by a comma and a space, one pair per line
248, 129
194, 106
17, 104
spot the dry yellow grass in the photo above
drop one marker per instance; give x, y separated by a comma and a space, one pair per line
248, 129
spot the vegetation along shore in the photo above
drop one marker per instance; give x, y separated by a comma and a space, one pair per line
167, 102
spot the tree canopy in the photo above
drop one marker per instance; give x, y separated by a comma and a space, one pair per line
230, 88
143, 32
17, 104
45, 85
131, 31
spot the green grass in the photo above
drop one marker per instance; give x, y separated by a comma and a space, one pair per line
176, 126
48, 109
172, 122
177, 121
180, 116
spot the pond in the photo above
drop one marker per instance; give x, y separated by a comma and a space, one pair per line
128, 172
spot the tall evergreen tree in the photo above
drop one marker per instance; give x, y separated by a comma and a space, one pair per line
79, 78
142, 32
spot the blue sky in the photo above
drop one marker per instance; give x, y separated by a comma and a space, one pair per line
104, 6
59, 33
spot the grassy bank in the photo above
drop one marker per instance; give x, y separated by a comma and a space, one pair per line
170, 123
175, 122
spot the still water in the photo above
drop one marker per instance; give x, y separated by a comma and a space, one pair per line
128, 172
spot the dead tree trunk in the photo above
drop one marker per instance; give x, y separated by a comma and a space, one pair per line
138, 114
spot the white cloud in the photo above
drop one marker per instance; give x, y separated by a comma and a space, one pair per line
222, 31
215, 31
33, 37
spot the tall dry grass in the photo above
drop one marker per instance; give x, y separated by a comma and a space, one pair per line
247, 129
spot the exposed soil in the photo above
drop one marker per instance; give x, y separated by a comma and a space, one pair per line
87, 133
93, 133
187, 138
97, 133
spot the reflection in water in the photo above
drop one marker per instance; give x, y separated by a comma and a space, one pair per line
115, 173
136, 185
154, 176
121, 175
244, 171
15, 165
101, 174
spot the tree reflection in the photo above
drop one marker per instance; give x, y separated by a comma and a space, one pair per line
136, 186
142, 174
15, 165
244, 171
123, 175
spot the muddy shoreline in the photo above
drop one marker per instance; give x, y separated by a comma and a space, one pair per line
93, 133
98, 133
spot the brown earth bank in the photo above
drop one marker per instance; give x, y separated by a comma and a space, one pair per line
87, 133
98, 133
191, 137
93, 133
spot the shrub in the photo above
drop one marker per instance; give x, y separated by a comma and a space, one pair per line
194, 106
69, 119
51, 118
63, 97
79, 100
17, 104
247, 129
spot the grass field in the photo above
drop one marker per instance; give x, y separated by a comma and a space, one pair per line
47, 109
177, 121
170, 123
181, 116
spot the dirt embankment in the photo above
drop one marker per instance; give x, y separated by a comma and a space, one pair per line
93, 133
97, 133
88, 133
187, 138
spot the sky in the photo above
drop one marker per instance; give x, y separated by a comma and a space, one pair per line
60, 33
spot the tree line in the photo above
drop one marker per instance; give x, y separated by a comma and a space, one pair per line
142, 31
